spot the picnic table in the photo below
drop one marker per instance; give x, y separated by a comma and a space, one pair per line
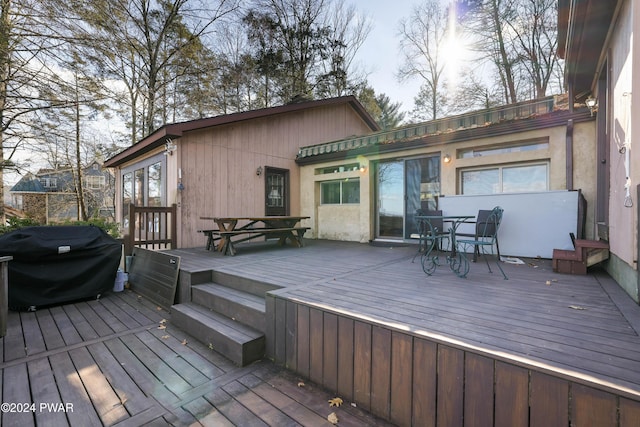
281, 227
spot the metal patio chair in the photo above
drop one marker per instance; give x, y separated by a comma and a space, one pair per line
431, 232
483, 241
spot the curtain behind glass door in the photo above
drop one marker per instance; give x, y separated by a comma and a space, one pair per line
422, 189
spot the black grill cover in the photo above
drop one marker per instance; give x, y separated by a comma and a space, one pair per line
58, 264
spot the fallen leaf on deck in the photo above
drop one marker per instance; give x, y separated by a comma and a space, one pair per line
336, 401
577, 307
210, 346
159, 308
548, 283
161, 327
163, 321
300, 384
184, 341
332, 418
164, 337
354, 404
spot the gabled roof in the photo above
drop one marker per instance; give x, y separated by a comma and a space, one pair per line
28, 184
176, 130
583, 27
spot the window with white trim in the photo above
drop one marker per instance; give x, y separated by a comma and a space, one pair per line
94, 182
519, 178
340, 192
49, 182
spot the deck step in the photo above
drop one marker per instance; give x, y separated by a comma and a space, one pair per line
585, 254
237, 305
246, 284
239, 343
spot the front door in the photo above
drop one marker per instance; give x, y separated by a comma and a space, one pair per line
276, 191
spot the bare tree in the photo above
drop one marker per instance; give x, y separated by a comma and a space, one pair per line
137, 42
25, 74
535, 35
348, 31
519, 38
422, 40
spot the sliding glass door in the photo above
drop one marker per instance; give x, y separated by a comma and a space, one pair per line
390, 198
422, 189
404, 186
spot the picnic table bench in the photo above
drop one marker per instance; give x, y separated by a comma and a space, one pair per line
281, 227
211, 237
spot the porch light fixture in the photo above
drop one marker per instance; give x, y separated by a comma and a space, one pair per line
169, 147
259, 171
592, 104
363, 168
446, 158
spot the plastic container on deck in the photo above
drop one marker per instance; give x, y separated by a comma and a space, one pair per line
121, 278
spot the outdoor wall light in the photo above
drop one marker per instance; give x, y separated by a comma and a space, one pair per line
592, 103
363, 168
446, 158
169, 147
259, 171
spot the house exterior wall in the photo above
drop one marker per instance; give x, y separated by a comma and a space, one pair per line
35, 206
219, 165
622, 124
356, 222
212, 172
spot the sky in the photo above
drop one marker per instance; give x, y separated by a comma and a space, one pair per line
380, 54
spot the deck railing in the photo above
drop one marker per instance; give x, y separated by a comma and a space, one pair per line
151, 227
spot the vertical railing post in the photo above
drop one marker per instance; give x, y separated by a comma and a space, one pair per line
174, 226
130, 237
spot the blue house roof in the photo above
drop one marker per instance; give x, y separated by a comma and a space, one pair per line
28, 184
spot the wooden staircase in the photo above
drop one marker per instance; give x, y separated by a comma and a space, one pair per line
227, 314
585, 254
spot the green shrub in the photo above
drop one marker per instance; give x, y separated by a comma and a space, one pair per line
111, 228
16, 223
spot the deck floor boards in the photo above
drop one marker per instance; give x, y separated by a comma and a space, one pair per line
583, 326
118, 361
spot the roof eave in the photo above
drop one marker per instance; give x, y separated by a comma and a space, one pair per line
583, 28
176, 130
508, 127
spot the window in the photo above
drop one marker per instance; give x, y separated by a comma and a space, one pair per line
49, 182
502, 149
143, 184
94, 182
341, 168
340, 192
155, 184
505, 179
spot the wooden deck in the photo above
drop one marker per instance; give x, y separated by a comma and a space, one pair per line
119, 362
351, 320
538, 326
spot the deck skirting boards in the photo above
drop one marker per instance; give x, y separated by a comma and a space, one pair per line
411, 380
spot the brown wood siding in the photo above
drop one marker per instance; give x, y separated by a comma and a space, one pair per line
219, 164
414, 381
345, 357
549, 401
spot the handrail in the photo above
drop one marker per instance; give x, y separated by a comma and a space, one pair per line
151, 227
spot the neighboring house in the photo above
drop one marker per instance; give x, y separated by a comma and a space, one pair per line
600, 44
241, 164
50, 196
523, 157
